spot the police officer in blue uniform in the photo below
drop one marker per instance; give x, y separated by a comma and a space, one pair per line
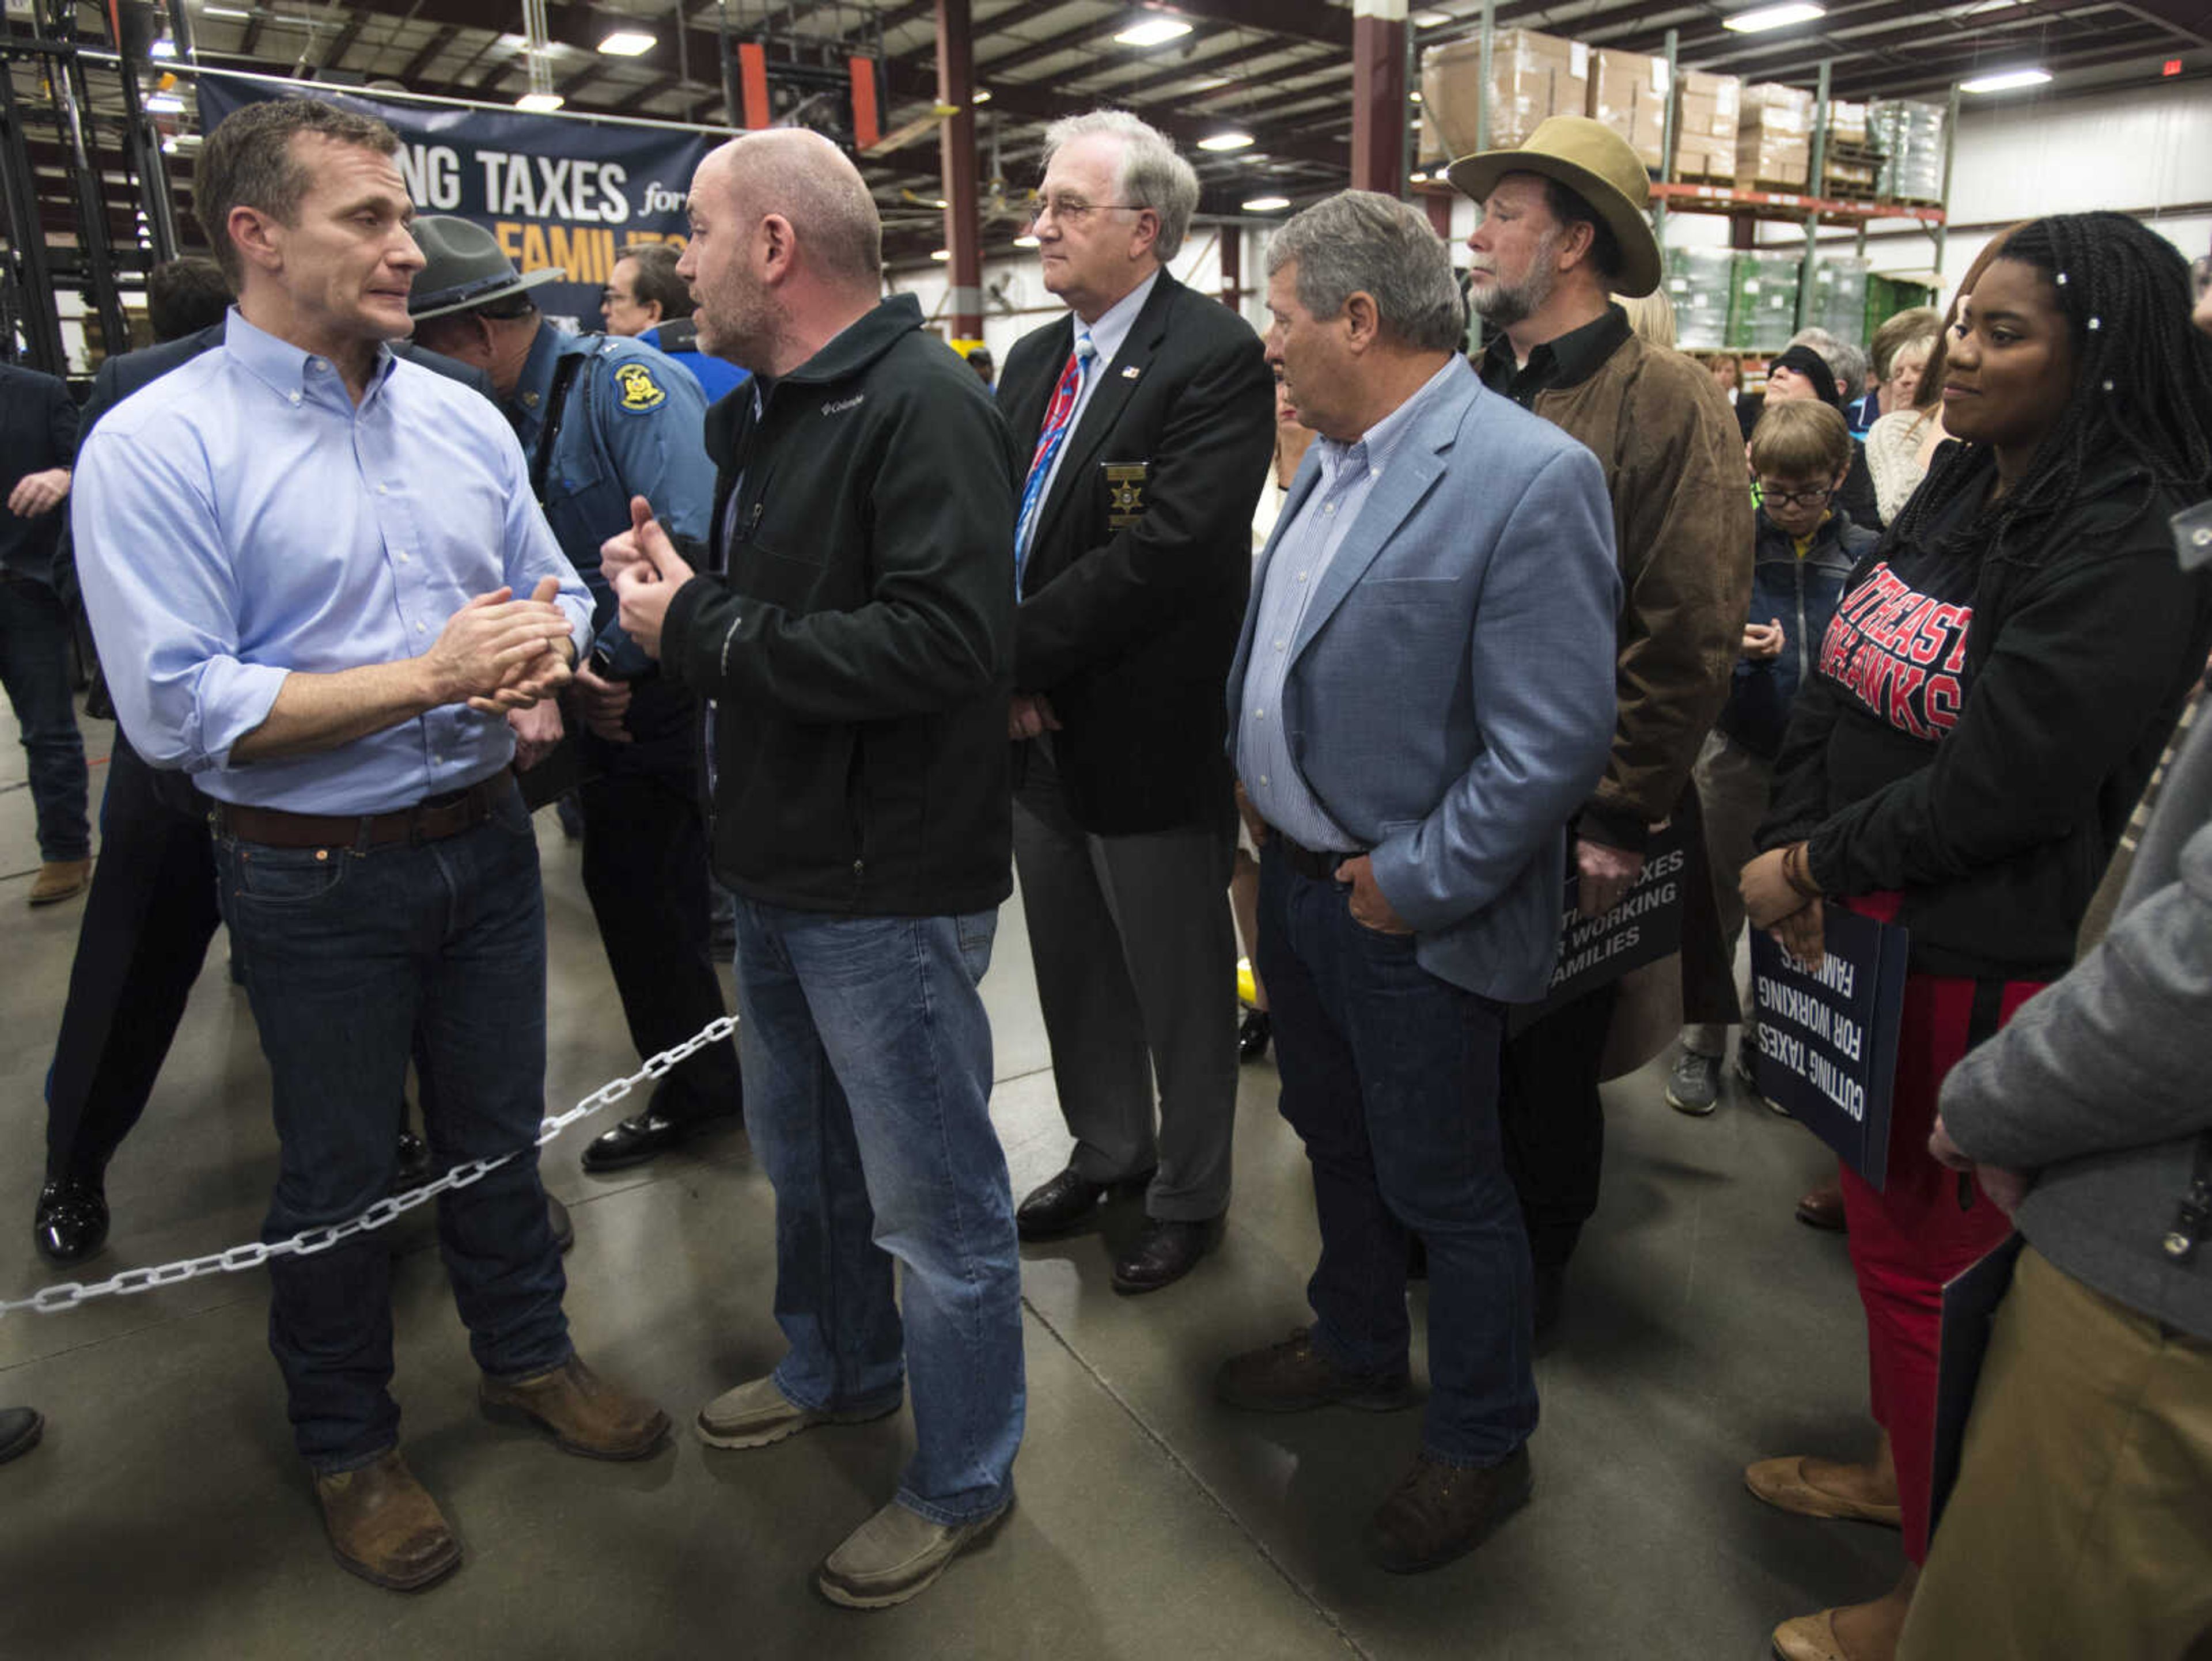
604, 419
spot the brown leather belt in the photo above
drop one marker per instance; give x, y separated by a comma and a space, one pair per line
431, 820
1318, 864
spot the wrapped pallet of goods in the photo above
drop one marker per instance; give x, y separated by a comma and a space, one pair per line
1705, 128
1628, 93
1763, 303
1774, 138
1533, 77
1850, 163
1700, 282
1839, 301
1911, 138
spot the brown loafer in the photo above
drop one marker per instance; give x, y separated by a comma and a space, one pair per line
1824, 1208
385, 1526
1783, 1484
58, 880
1294, 1375
586, 1414
1810, 1638
1440, 1512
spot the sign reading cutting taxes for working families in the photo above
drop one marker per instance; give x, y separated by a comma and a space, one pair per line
1827, 1037
556, 190
1644, 927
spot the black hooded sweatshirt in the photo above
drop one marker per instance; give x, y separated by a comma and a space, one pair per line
1980, 726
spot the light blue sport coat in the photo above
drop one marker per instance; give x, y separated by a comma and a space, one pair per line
1450, 698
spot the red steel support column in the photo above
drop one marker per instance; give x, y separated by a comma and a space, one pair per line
956, 85
1439, 207
1232, 267
1378, 95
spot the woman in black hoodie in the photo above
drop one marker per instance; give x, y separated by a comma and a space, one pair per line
1991, 698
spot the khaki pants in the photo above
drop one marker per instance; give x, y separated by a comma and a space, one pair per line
1733, 787
2081, 1529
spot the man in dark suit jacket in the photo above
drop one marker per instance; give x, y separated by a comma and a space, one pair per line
150, 916
1149, 418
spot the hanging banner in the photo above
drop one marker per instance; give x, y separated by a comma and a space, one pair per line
556, 191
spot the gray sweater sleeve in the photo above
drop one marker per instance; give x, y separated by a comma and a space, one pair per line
2116, 1055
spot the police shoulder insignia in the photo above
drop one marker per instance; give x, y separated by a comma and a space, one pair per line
640, 391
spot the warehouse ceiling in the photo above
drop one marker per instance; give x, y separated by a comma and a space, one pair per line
1280, 70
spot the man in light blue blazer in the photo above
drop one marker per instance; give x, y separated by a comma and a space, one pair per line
1423, 695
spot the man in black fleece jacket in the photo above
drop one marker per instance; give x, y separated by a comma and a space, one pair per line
858, 647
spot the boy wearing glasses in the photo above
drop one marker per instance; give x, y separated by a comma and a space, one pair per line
1804, 547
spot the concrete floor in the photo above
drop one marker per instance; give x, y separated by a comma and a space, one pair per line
166, 1515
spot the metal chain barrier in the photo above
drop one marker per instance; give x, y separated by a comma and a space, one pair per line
68, 1295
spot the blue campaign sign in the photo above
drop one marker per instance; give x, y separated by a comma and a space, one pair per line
1644, 926
556, 190
1827, 1037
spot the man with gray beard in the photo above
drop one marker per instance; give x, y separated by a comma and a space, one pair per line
1563, 230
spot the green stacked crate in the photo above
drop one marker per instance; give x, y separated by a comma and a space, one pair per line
1763, 299
1699, 282
1886, 296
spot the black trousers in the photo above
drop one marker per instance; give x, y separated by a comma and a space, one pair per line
148, 919
645, 873
1555, 1123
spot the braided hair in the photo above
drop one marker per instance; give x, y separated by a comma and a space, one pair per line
2142, 377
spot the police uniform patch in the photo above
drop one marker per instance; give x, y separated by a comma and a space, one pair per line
640, 391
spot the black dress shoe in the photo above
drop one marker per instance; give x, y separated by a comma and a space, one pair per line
563, 1227
71, 1222
1167, 1252
1066, 1200
20, 1429
414, 1167
1252, 1037
647, 1135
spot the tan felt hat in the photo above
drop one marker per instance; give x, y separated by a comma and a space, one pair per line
1596, 163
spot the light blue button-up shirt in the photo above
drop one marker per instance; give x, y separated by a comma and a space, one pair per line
1293, 571
1107, 336
241, 518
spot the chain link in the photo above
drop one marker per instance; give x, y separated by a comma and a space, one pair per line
254, 1253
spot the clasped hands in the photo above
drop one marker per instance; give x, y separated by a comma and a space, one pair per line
498, 654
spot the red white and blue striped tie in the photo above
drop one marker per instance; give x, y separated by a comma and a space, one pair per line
1057, 419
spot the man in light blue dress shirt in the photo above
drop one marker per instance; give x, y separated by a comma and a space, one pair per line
306, 563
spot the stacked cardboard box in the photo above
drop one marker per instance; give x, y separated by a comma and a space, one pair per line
1628, 93
1705, 130
1763, 301
1911, 138
1699, 282
1531, 77
1774, 140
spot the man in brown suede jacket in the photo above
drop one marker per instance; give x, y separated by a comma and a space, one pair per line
1562, 230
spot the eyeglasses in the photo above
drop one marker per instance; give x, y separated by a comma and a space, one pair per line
1073, 210
1774, 497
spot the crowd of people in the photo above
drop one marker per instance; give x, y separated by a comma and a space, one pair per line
861, 641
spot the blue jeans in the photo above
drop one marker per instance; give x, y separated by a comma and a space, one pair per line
357, 959
1390, 1076
35, 668
867, 1066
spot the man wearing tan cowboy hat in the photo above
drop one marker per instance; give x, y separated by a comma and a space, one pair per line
1563, 230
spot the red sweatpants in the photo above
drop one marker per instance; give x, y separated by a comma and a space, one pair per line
1927, 1226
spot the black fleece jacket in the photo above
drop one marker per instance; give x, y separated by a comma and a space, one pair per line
859, 642
2048, 715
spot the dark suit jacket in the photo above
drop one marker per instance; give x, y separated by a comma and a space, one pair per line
130, 372
1128, 628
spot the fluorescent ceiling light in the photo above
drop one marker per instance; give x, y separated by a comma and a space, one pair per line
1773, 17
1025, 242
539, 103
2005, 80
1266, 204
164, 47
1230, 141
1416, 178
940, 254
982, 96
1432, 20
1209, 83
1415, 95
165, 104
1153, 31
231, 12
628, 43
